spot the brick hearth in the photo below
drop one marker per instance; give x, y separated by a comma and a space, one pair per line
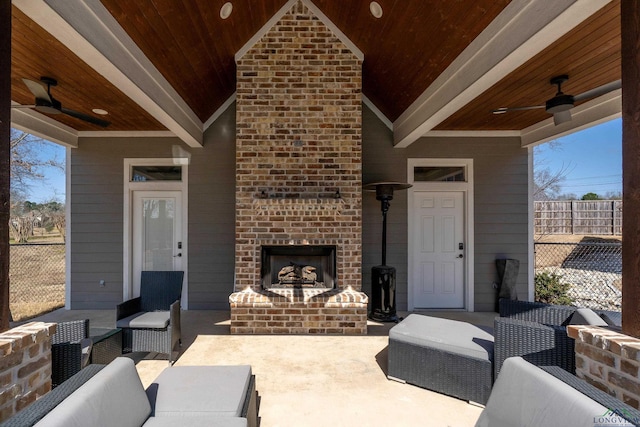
299, 311
298, 175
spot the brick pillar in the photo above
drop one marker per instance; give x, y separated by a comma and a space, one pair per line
25, 366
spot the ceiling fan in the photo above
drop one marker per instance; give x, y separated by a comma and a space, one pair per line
561, 104
46, 103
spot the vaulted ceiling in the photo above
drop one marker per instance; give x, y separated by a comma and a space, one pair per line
431, 67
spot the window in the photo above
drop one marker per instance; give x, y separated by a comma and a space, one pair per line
439, 174
156, 173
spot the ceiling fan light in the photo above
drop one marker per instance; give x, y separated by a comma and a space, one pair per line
100, 111
559, 103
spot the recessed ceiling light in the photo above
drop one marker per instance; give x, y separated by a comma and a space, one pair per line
225, 10
376, 9
100, 111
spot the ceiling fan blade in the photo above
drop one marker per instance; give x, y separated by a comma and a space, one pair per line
600, 90
561, 117
85, 117
23, 106
37, 89
505, 109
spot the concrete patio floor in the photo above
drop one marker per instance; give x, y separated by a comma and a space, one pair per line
308, 380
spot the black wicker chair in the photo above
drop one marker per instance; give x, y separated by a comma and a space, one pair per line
151, 322
535, 331
70, 350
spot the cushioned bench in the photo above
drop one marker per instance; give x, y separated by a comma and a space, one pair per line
447, 356
190, 396
188, 390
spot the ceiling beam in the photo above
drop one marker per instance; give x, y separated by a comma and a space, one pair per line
42, 126
522, 30
92, 33
598, 110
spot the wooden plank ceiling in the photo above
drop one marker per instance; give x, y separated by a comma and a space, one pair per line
36, 53
405, 51
590, 55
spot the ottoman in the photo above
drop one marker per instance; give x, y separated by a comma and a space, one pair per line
450, 357
225, 391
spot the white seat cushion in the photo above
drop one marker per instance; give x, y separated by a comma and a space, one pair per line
525, 395
444, 334
200, 390
151, 319
112, 397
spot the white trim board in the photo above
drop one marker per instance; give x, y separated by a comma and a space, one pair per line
226, 104
366, 101
43, 126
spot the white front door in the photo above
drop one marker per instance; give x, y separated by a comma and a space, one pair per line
157, 233
439, 249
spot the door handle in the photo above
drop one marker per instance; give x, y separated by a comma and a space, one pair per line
460, 256
179, 255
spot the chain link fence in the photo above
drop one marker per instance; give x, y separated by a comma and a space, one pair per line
593, 271
36, 279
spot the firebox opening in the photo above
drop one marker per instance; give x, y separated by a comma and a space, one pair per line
302, 266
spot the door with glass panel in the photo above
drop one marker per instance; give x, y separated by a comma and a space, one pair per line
157, 233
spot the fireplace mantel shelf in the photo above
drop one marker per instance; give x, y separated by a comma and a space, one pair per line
325, 205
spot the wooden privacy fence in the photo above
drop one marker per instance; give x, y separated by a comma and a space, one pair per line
596, 217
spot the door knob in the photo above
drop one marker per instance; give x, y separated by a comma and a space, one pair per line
460, 256
179, 255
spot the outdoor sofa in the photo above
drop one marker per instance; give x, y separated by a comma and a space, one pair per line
528, 395
186, 396
538, 332
463, 360
70, 350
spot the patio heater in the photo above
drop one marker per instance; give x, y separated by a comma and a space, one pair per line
383, 277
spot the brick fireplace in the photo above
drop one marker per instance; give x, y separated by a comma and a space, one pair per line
298, 177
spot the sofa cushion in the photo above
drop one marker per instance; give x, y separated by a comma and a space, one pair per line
445, 334
200, 390
585, 316
113, 396
151, 319
525, 395
197, 421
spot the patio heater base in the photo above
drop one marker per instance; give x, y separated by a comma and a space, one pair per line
383, 294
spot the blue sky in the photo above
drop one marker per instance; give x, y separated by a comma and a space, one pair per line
591, 157
53, 188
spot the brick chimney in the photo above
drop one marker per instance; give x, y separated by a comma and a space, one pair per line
298, 151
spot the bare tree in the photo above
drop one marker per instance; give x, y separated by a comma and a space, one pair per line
28, 164
27, 168
547, 183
